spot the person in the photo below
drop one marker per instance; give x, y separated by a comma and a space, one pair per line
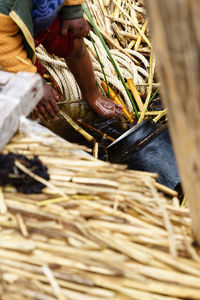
60, 27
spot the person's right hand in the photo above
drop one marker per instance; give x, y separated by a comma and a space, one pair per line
104, 107
47, 107
80, 27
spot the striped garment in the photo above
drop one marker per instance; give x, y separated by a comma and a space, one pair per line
44, 12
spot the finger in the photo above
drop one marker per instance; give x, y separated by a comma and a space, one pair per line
54, 106
50, 111
117, 112
36, 113
85, 30
118, 106
44, 113
54, 94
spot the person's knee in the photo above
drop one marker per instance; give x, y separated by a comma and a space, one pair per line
79, 48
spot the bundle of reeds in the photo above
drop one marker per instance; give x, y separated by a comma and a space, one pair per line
123, 24
98, 231
120, 50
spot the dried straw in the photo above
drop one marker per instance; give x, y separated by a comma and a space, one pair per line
112, 235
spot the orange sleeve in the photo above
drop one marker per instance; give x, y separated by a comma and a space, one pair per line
13, 56
73, 2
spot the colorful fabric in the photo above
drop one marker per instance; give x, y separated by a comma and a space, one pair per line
54, 42
17, 49
13, 56
44, 12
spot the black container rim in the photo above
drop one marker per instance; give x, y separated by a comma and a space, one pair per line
134, 129
138, 134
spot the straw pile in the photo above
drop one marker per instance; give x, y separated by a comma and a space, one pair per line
98, 231
123, 24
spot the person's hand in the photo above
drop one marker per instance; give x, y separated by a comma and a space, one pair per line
80, 27
47, 106
104, 107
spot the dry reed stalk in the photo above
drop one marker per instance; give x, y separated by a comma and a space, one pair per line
150, 82
130, 45
95, 150
85, 134
22, 225
117, 100
121, 39
117, 10
135, 93
168, 225
129, 35
156, 85
152, 113
104, 135
138, 42
133, 23
165, 189
54, 284
53, 201
3, 208
120, 20
161, 114
108, 238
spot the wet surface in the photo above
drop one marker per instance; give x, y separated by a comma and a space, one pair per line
109, 128
112, 128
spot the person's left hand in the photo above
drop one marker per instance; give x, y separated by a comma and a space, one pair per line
80, 27
47, 107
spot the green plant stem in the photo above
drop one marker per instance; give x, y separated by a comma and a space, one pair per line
154, 95
101, 65
111, 58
